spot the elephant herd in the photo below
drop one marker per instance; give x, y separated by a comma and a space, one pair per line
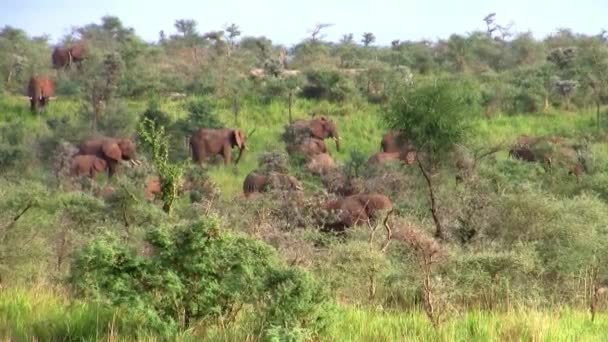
41, 88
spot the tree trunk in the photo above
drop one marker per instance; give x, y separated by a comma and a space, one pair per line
290, 103
598, 113
438, 228
546, 107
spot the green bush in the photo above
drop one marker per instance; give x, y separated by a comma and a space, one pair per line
193, 273
328, 85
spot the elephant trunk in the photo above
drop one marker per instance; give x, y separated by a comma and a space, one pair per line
241, 150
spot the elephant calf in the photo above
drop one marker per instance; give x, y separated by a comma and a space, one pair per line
256, 183
356, 209
87, 165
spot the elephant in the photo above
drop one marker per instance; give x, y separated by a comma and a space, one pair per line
319, 128
308, 147
320, 164
522, 153
323, 128
383, 157
256, 182
87, 165
394, 141
64, 56
40, 90
356, 209
207, 142
112, 150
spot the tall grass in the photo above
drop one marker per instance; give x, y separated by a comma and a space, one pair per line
45, 315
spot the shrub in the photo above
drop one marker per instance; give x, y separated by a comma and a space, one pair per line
328, 85
196, 272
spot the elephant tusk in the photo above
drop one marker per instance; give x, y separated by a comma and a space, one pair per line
132, 162
137, 162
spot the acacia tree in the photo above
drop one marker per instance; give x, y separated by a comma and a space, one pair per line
368, 38
434, 115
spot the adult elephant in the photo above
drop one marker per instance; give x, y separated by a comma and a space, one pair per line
256, 182
207, 142
323, 128
64, 56
356, 209
394, 141
112, 150
40, 90
87, 165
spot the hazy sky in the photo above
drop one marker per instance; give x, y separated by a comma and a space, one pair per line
288, 21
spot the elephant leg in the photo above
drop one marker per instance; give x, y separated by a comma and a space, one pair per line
227, 152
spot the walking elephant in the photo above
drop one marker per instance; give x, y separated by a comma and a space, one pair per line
112, 150
256, 182
64, 56
40, 90
87, 165
356, 209
207, 142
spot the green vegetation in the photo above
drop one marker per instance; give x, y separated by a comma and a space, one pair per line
521, 248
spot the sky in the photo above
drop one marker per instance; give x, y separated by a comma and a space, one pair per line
288, 22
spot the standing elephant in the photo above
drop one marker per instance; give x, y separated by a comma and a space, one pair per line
394, 141
356, 209
87, 165
39, 91
112, 150
256, 182
207, 142
64, 56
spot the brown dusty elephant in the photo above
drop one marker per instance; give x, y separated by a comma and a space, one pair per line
207, 142
64, 56
256, 182
320, 164
393, 141
356, 209
384, 157
40, 89
112, 150
320, 128
308, 147
522, 153
87, 165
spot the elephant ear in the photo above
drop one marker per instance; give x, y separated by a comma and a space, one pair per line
112, 150
239, 138
99, 164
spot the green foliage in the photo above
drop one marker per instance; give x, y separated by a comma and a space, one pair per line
435, 114
196, 272
328, 85
169, 174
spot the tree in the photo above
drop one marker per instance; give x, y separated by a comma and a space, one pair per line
435, 115
157, 141
187, 27
233, 32
368, 38
347, 38
315, 32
